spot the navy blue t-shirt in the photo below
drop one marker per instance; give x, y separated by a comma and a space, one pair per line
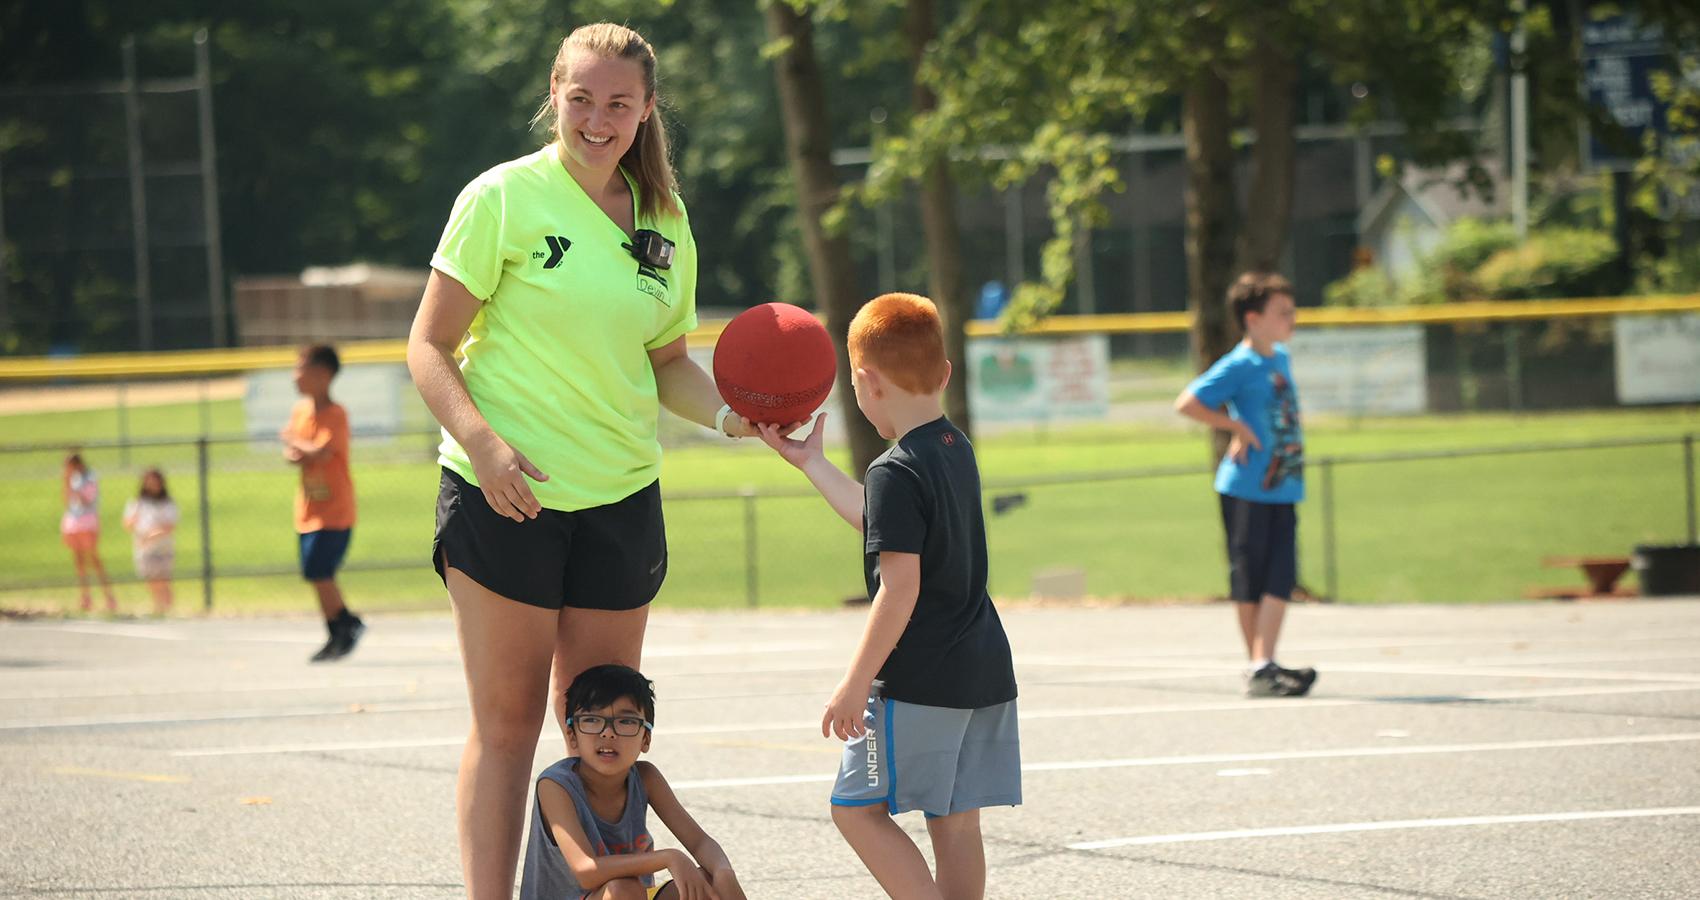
923, 496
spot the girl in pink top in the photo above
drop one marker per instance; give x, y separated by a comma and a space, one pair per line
80, 528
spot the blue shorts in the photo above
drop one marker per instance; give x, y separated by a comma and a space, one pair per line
932, 758
322, 553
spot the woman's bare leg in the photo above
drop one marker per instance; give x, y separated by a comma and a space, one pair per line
506, 648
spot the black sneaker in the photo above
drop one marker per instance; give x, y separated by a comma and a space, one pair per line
345, 635
1274, 681
328, 651
1305, 676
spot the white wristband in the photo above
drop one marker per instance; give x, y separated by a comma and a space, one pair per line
720, 422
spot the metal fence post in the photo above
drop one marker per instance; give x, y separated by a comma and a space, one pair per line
751, 590
206, 405
138, 198
1688, 480
205, 466
124, 423
1330, 578
1514, 366
213, 233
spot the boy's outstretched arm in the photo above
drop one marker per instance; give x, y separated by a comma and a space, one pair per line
594, 871
900, 587
704, 849
842, 493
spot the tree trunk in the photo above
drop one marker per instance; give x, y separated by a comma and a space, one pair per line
1210, 221
1269, 207
808, 145
939, 226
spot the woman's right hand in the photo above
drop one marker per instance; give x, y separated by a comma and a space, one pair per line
501, 472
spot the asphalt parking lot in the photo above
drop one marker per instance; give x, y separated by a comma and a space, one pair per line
1519, 750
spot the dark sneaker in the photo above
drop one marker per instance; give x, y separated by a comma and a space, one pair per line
1274, 681
328, 651
344, 636
1305, 676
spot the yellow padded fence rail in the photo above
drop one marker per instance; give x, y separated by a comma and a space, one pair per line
114, 366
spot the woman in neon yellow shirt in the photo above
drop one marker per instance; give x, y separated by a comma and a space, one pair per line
567, 280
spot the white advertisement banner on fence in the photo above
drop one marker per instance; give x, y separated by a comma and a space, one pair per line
1658, 358
371, 392
1375, 370
1039, 379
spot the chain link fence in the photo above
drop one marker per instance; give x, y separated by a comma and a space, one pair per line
1463, 525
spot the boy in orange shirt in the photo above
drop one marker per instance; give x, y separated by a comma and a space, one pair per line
317, 439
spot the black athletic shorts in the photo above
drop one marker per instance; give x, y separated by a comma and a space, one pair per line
605, 557
1262, 548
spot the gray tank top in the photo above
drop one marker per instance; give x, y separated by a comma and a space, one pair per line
546, 875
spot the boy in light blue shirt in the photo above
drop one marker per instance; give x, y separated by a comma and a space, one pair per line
1261, 477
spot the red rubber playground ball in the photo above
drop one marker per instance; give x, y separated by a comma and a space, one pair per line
774, 363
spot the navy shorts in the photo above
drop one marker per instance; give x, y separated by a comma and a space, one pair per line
322, 553
1262, 548
611, 557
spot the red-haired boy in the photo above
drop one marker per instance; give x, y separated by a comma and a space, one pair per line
927, 708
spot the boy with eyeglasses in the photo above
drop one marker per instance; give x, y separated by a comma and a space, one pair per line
589, 838
927, 709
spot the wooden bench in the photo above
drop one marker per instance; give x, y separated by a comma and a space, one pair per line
1601, 573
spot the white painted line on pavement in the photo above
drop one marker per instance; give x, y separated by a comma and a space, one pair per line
1218, 758
752, 782
132, 693
1127, 677
1566, 659
777, 669
1265, 705
1400, 824
1360, 752
1169, 674
1507, 672
1225, 663
1212, 656
733, 649
306, 636
226, 716
327, 747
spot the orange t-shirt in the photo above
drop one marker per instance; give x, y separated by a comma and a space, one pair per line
325, 500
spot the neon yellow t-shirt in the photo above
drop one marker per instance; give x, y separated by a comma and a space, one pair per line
557, 359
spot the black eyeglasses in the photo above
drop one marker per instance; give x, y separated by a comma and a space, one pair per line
624, 726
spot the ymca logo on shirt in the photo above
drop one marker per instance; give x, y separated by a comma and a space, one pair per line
557, 248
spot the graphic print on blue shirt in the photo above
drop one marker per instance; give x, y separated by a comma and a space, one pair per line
1287, 453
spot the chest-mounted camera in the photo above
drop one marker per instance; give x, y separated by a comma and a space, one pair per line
651, 249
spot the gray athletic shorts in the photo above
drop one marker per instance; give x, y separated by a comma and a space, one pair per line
932, 758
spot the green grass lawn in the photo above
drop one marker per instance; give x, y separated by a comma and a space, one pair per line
1471, 529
